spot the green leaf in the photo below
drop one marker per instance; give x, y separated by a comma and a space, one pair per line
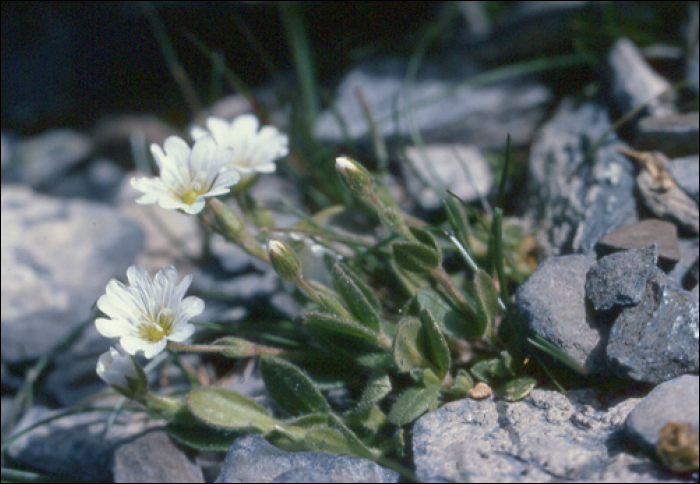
326, 439
487, 302
413, 403
516, 389
439, 352
461, 386
492, 371
449, 318
355, 297
409, 346
204, 437
362, 286
291, 388
227, 409
359, 447
458, 220
378, 386
422, 256
337, 324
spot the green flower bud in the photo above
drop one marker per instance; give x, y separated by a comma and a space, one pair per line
284, 260
356, 176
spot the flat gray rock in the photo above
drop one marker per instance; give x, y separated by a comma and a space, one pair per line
435, 106
545, 437
673, 401
649, 231
674, 135
253, 459
634, 84
462, 169
553, 302
656, 340
620, 279
153, 457
686, 173
57, 257
574, 200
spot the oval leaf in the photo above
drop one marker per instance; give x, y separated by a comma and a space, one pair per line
516, 389
487, 301
337, 324
291, 388
378, 386
413, 403
204, 437
449, 318
227, 409
409, 346
439, 352
355, 298
415, 257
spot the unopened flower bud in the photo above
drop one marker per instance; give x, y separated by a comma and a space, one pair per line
284, 260
356, 176
120, 371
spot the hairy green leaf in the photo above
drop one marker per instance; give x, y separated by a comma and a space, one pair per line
515, 389
449, 318
487, 302
227, 409
355, 296
413, 403
337, 324
291, 388
409, 346
439, 352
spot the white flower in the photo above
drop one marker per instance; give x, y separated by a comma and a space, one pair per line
187, 176
253, 150
146, 314
119, 370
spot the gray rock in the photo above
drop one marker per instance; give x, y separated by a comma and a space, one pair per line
553, 302
75, 446
575, 200
436, 106
546, 436
649, 231
696, 292
45, 158
693, 66
434, 169
634, 83
673, 401
253, 459
686, 173
657, 340
689, 248
692, 277
154, 458
620, 279
57, 257
674, 135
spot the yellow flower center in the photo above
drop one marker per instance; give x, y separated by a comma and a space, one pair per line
189, 195
158, 327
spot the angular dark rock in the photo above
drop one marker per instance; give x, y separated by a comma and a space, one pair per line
650, 231
673, 401
573, 197
253, 459
553, 302
674, 135
154, 458
620, 279
75, 446
657, 340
